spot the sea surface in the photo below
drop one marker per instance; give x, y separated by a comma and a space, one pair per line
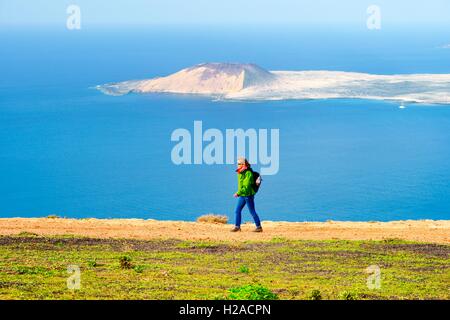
66, 149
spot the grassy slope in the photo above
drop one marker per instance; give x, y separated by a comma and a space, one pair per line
34, 267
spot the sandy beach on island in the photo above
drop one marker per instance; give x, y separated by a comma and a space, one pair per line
432, 231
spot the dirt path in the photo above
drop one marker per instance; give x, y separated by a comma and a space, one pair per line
415, 230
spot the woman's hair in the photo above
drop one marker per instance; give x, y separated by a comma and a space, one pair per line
243, 159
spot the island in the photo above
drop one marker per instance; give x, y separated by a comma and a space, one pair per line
237, 81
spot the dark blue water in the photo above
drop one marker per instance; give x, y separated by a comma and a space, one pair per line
69, 150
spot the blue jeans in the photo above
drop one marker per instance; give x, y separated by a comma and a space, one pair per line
242, 201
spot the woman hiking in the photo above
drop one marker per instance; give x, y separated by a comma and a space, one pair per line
245, 194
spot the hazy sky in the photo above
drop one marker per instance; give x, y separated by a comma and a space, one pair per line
405, 13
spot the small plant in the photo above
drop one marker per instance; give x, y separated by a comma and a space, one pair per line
59, 244
244, 269
315, 295
138, 269
197, 244
213, 218
92, 263
278, 240
391, 240
53, 216
125, 262
29, 270
251, 292
348, 295
28, 234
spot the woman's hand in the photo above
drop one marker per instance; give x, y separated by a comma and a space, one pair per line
235, 195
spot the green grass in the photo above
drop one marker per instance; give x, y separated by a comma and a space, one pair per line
315, 295
244, 269
251, 292
125, 262
34, 267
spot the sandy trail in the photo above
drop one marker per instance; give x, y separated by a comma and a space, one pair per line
433, 231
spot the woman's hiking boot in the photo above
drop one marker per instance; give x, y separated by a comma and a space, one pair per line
235, 229
258, 229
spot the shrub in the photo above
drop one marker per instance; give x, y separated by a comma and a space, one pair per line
53, 216
138, 269
278, 240
244, 269
125, 262
251, 292
92, 263
348, 295
27, 234
213, 218
29, 270
315, 295
59, 244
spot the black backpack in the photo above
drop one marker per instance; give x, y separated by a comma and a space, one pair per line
256, 180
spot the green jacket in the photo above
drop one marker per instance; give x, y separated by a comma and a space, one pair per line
245, 184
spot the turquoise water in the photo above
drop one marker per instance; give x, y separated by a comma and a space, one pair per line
69, 150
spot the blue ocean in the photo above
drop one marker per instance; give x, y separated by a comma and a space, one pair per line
67, 149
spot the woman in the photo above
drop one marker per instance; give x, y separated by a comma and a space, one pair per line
245, 194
